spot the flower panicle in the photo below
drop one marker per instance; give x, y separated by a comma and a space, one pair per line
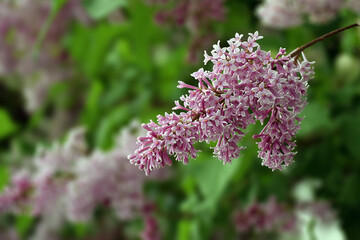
245, 85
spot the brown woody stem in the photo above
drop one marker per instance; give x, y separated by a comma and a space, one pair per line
298, 50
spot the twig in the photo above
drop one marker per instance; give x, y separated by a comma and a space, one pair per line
298, 50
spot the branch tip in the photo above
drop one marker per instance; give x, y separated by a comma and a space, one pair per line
298, 50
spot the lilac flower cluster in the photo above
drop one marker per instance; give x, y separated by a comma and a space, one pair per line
151, 230
45, 182
106, 179
288, 13
320, 209
195, 11
246, 84
62, 176
354, 5
9, 234
272, 217
20, 25
197, 16
14, 196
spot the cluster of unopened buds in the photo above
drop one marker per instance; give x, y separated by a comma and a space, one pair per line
246, 84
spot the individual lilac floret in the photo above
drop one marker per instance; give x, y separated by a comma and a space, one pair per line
246, 84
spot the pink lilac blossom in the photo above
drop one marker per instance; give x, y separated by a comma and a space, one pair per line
288, 13
151, 230
54, 168
320, 209
194, 13
270, 216
48, 226
321, 11
279, 13
55, 185
107, 179
9, 234
13, 197
245, 84
49, 173
274, 217
62, 176
354, 5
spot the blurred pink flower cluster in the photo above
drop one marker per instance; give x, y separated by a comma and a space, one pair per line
20, 25
273, 217
9, 234
288, 13
270, 216
245, 84
152, 229
68, 183
196, 15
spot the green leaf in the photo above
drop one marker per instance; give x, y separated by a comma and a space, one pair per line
110, 125
4, 177
81, 229
55, 8
351, 132
90, 46
183, 230
7, 125
347, 195
92, 103
101, 8
212, 178
23, 224
317, 117
311, 229
189, 229
142, 33
196, 233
